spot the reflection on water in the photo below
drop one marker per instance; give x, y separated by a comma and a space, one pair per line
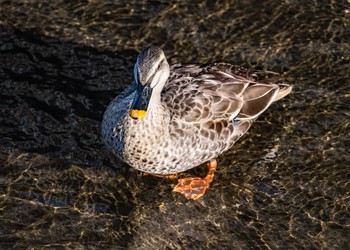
285, 185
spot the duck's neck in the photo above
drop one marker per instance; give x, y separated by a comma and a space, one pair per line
156, 111
156, 92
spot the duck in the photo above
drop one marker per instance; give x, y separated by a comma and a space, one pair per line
173, 118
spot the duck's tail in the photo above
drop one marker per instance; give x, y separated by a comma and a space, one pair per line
284, 90
268, 77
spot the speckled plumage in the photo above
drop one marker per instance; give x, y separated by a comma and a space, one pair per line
195, 115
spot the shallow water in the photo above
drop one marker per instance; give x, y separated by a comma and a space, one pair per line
284, 185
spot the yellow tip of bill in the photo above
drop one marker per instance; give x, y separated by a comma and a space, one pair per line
137, 114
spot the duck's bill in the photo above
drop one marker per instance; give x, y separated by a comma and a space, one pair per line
141, 101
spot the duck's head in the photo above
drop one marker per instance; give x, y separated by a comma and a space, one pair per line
151, 72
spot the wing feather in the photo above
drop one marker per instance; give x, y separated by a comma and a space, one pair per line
219, 101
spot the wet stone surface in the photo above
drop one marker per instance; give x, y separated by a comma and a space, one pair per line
284, 185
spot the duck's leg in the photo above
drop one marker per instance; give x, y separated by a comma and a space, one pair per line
194, 188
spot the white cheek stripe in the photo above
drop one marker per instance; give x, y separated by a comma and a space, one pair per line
155, 80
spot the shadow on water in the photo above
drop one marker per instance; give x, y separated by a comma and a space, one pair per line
50, 139
284, 185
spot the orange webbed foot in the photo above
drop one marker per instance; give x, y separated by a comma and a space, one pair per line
195, 187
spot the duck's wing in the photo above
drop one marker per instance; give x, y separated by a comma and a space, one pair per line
203, 94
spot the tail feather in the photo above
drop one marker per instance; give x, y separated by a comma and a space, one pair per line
284, 90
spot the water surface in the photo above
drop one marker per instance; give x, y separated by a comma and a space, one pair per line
284, 185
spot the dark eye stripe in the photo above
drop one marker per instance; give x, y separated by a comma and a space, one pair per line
160, 64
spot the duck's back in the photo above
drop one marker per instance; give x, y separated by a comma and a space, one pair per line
220, 91
212, 106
